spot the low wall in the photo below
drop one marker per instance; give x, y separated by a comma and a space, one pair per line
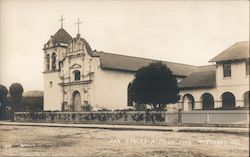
192, 118
228, 117
103, 117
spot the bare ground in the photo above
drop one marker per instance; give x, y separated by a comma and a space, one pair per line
58, 141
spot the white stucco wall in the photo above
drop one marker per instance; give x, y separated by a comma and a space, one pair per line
237, 84
52, 94
109, 89
238, 75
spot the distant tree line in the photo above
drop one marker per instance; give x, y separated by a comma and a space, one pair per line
15, 102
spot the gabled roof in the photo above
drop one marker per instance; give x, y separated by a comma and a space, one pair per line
129, 63
61, 36
238, 51
199, 80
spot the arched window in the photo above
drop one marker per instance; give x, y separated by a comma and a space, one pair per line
246, 99
77, 75
53, 61
188, 102
130, 100
47, 62
207, 101
228, 100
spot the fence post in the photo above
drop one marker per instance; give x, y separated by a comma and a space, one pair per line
179, 121
208, 118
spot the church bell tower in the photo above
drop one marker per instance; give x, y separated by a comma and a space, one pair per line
54, 53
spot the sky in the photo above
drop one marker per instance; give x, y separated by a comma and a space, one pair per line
189, 32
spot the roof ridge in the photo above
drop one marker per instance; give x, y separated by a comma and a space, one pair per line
148, 59
202, 72
241, 41
206, 65
229, 52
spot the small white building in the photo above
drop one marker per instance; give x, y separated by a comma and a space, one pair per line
76, 76
226, 87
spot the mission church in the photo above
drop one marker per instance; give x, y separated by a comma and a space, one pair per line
75, 76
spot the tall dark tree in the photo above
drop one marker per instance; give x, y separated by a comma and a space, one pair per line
155, 85
16, 91
3, 95
3, 101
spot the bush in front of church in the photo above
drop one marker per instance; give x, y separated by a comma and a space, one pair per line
87, 107
155, 86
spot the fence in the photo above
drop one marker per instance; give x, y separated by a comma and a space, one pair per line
215, 117
103, 117
202, 118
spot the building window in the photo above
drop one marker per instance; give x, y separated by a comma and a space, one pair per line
53, 61
247, 67
130, 100
47, 62
77, 75
50, 84
227, 69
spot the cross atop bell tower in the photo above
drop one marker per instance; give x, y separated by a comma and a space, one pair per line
78, 26
62, 21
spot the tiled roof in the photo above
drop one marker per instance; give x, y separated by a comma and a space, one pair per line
238, 51
199, 80
61, 36
129, 63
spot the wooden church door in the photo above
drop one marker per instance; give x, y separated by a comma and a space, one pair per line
77, 101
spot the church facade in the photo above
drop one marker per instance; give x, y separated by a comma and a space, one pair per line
76, 76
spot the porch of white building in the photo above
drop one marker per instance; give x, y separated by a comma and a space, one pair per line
210, 101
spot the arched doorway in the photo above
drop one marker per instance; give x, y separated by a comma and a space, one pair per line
76, 101
188, 102
246, 99
228, 100
207, 101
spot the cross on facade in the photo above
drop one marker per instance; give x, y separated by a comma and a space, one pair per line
78, 26
62, 21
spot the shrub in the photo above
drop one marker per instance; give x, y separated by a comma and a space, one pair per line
87, 107
155, 86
